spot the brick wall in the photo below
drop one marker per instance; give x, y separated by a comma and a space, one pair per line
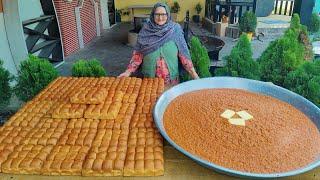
68, 25
88, 21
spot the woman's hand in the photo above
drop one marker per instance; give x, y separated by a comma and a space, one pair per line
125, 74
194, 74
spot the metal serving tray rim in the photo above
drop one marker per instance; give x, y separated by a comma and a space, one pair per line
308, 108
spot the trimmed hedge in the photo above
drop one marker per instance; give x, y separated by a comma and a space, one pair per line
88, 68
34, 75
200, 60
248, 22
283, 55
306, 81
240, 62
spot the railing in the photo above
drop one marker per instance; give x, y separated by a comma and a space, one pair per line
216, 9
283, 7
46, 45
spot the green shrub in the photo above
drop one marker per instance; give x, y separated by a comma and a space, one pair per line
88, 68
5, 89
248, 22
284, 55
306, 43
175, 8
295, 22
306, 81
301, 33
314, 25
34, 75
200, 60
240, 62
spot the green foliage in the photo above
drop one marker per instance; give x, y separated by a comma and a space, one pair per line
248, 22
314, 25
306, 81
118, 12
88, 68
306, 43
300, 32
123, 12
283, 55
198, 8
295, 22
240, 62
5, 89
34, 75
200, 59
175, 8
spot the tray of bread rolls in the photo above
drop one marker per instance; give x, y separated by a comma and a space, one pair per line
87, 127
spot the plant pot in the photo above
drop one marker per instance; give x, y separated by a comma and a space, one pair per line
174, 17
196, 18
132, 38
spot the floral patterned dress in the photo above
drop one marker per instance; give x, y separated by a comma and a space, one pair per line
162, 70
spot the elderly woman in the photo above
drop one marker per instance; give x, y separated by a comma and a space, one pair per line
159, 47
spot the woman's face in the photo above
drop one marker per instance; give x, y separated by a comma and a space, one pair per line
160, 16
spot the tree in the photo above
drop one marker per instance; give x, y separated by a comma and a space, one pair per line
240, 62
283, 55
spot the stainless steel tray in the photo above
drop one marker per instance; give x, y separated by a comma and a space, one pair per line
305, 106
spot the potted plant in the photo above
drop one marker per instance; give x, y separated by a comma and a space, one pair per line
174, 11
248, 24
196, 18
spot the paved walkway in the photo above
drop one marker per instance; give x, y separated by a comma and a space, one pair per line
113, 52
110, 48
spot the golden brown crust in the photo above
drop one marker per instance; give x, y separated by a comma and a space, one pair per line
93, 95
55, 134
68, 110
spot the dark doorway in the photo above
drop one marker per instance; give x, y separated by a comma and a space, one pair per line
304, 9
112, 12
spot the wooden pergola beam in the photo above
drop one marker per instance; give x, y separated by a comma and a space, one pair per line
1, 9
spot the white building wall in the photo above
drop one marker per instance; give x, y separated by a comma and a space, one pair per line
14, 32
5, 52
30, 9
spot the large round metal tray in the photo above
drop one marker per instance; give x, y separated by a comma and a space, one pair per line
305, 106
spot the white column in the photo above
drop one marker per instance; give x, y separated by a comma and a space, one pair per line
105, 14
77, 11
15, 35
79, 27
96, 14
5, 51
